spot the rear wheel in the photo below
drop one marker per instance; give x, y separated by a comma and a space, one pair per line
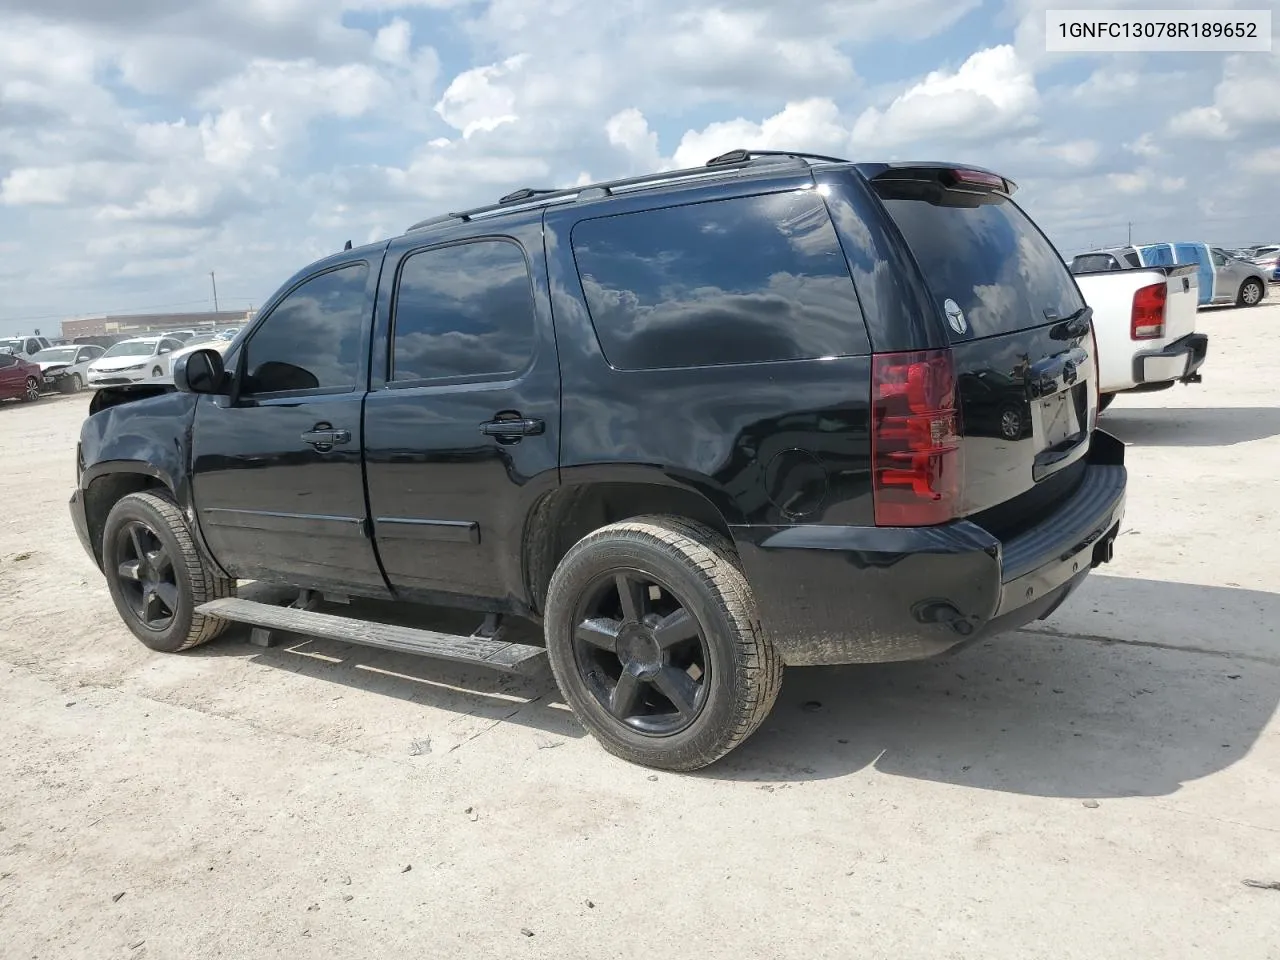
157, 576
31, 392
1250, 293
653, 639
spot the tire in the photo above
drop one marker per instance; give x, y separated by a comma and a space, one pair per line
1251, 293
31, 392
138, 525
1104, 401
71, 384
157, 372
693, 568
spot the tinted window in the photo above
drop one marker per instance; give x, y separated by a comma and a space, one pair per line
8, 360
1094, 263
988, 257
1132, 259
463, 311
729, 281
311, 340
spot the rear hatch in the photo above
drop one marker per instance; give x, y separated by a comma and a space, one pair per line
1021, 343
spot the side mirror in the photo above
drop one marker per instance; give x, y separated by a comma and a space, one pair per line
200, 371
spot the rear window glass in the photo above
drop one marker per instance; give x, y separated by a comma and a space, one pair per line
990, 260
1093, 263
745, 280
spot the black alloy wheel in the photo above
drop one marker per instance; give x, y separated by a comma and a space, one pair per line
641, 653
146, 576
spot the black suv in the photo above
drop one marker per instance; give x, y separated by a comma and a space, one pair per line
781, 409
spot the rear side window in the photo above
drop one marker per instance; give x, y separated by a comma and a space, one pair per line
463, 311
987, 257
746, 280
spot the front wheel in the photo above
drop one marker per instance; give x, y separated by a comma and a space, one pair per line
157, 576
653, 639
157, 372
71, 384
1251, 293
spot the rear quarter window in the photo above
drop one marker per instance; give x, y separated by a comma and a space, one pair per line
989, 258
744, 280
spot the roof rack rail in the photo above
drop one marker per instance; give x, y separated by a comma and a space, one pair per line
741, 156
531, 198
526, 193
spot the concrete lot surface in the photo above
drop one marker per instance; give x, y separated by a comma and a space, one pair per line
1101, 785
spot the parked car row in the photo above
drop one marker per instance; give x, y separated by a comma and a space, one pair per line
1223, 278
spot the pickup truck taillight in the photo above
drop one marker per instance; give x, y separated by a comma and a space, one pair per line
916, 462
1147, 319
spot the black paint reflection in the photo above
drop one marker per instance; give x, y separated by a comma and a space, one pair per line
995, 405
745, 280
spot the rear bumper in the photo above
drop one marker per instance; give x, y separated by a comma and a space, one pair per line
829, 595
1179, 360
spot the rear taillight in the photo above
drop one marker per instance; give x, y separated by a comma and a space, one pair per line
916, 462
1147, 320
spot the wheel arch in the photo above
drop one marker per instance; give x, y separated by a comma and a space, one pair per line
106, 484
583, 504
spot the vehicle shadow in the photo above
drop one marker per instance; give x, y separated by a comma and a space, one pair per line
1032, 712
532, 700
1191, 426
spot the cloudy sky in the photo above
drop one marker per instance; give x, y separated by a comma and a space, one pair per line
144, 143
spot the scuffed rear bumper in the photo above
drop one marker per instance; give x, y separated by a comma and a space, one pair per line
829, 595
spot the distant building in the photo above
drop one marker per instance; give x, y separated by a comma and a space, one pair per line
143, 323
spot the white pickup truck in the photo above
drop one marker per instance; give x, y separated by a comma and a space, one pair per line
1144, 321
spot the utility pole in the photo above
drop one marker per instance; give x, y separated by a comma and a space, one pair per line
1131, 233
213, 278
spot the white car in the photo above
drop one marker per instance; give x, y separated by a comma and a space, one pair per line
130, 361
66, 368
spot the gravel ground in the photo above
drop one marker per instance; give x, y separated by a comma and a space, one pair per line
1102, 785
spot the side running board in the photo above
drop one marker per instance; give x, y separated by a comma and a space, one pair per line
482, 651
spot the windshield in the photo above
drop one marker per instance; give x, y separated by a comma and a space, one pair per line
988, 258
59, 354
11, 346
136, 348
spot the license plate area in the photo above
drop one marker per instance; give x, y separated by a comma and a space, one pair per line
1060, 430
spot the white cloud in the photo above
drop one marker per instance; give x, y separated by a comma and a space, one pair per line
1265, 162
1207, 123
481, 98
993, 93
1245, 102
629, 131
806, 125
392, 43
1145, 146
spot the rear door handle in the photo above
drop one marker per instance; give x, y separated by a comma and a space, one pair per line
324, 437
513, 429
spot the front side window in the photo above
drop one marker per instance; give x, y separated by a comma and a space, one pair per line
311, 340
743, 280
463, 311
